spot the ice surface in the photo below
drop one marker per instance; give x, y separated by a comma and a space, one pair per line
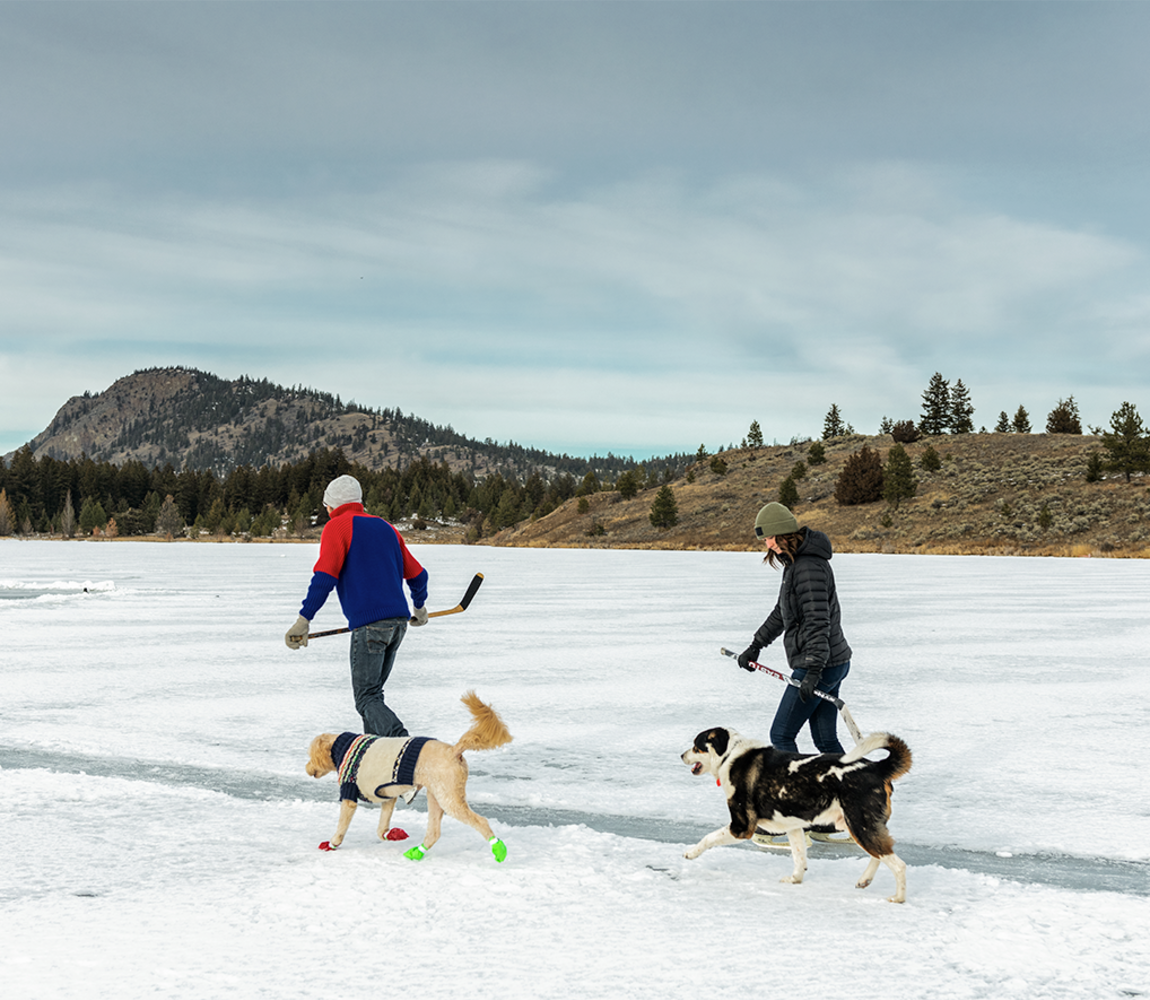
183, 862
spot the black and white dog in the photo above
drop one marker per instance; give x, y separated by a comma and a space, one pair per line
779, 792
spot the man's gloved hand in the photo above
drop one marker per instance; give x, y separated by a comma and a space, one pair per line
419, 616
808, 684
745, 658
297, 635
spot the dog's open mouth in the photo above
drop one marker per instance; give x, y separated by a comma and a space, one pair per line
697, 768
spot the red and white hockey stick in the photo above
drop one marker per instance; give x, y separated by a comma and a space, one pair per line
838, 703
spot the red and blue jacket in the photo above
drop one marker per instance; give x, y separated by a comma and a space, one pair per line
367, 562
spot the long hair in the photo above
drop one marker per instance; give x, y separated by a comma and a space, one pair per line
789, 543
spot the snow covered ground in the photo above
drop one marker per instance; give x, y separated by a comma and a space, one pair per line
160, 834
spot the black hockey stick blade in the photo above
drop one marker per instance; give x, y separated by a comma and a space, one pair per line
464, 601
461, 606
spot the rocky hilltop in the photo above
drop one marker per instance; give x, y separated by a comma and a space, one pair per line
192, 418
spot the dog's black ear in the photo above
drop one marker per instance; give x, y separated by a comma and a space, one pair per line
716, 739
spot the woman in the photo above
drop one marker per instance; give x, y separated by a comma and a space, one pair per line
807, 616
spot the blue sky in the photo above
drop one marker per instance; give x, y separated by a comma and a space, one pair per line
584, 227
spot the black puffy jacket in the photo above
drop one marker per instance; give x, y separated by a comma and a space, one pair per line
807, 612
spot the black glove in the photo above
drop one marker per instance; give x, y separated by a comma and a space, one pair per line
747, 655
808, 684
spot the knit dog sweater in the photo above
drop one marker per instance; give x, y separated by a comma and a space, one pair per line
374, 763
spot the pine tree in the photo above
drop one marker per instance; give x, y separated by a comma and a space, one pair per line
626, 485
833, 426
589, 485
935, 407
1021, 422
67, 518
898, 481
169, 522
905, 432
665, 509
861, 478
788, 493
1127, 442
930, 460
1064, 419
755, 435
817, 453
961, 410
7, 515
1003, 425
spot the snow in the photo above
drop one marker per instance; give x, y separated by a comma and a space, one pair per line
162, 834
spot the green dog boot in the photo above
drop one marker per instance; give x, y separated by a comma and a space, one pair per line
498, 848
416, 853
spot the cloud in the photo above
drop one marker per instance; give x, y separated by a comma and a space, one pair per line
635, 300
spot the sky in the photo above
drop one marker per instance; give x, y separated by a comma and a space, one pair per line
160, 834
583, 227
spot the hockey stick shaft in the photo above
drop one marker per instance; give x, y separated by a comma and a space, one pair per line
838, 703
468, 595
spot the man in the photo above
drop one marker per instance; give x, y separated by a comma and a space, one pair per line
367, 562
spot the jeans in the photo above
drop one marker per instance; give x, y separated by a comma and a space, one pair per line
792, 713
373, 649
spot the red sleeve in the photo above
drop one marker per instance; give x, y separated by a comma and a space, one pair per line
333, 545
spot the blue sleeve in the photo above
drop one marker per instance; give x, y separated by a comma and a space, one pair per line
418, 587
317, 592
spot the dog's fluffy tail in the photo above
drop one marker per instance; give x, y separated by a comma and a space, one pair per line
487, 732
898, 761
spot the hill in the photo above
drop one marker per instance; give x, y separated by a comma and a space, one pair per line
993, 493
193, 419
988, 497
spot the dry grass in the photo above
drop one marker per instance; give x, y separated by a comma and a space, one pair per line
987, 499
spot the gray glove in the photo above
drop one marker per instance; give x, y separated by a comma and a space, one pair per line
297, 635
419, 616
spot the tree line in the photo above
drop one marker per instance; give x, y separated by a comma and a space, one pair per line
1125, 450
47, 495
947, 409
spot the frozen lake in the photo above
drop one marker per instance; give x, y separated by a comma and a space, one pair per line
154, 727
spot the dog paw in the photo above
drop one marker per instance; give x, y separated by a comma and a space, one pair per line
498, 849
327, 846
395, 833
792, 879
691, 854
416, 853
862, 883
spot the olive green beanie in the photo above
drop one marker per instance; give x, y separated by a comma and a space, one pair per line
775, 519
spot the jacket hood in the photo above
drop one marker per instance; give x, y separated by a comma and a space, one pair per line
815, 544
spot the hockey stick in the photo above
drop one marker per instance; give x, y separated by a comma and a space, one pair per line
838, 703
461, 606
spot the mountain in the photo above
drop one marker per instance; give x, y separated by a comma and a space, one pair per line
193, 419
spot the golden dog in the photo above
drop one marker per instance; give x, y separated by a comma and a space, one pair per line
373, 769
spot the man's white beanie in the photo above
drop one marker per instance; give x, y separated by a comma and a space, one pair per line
345, 489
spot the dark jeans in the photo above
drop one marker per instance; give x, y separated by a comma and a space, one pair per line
373, 649
793, 714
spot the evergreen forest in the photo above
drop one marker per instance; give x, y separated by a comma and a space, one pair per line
52, 496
